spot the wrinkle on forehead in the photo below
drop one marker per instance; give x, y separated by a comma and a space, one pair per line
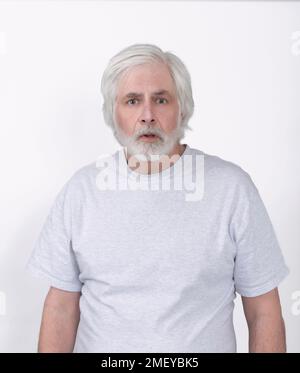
166, 82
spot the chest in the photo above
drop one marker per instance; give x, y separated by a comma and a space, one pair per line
152, 238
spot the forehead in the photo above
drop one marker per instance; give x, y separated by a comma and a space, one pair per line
154, 77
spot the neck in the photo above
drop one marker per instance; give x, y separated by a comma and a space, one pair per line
163, 161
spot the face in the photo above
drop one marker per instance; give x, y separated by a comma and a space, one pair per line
147, 112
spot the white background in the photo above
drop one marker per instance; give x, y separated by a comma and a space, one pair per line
244, 60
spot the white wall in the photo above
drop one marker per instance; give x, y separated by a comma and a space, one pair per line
244, 59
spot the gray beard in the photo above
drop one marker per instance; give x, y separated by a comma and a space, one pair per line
147, 151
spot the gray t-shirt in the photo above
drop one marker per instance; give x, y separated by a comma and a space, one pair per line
159, 258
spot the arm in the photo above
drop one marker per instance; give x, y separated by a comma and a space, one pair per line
265, 322
59, 321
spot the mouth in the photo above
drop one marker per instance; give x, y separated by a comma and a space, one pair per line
149, 137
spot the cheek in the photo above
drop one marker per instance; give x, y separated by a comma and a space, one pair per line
126, 120
169, 120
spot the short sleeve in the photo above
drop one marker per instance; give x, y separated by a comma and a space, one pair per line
53, 257
259, 264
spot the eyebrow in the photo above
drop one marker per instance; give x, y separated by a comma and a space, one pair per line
157, 93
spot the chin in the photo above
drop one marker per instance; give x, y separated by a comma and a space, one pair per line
136, 147
160, 147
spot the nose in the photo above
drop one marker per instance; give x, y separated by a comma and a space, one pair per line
147, 115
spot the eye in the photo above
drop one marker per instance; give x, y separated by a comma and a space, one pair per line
159, 99
132, 99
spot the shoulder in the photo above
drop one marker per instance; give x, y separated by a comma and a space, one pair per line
221, 172
89, 171
84, 179
81, 176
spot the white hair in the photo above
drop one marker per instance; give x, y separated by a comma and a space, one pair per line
138, 54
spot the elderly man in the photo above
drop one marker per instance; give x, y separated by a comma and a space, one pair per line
146, 248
